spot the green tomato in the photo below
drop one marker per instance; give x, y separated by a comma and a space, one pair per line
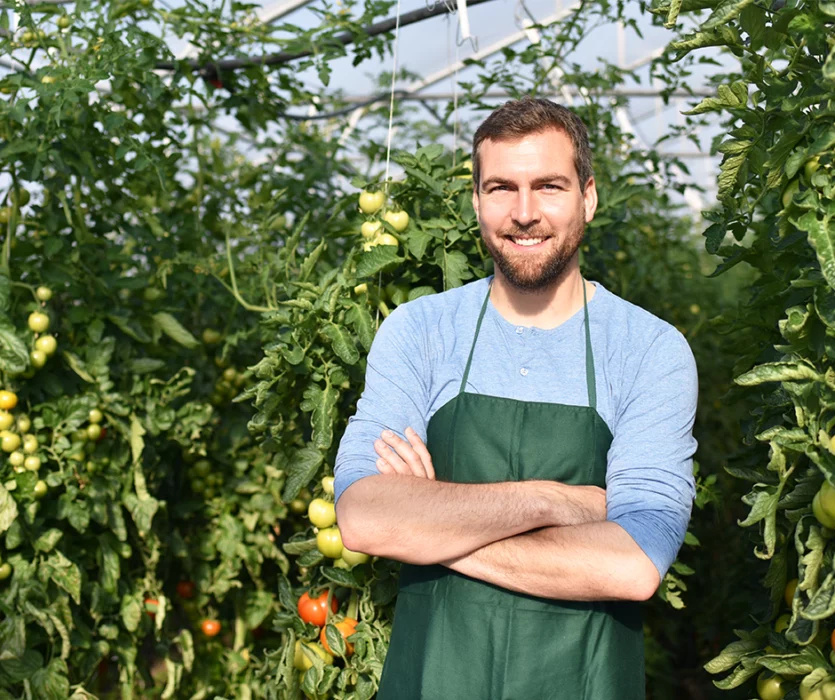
203, 467
353, 558
93, 431
327, 485
329, 542
823, 517
9, 442
32, 463
321, 513
37, 358
371, 202
5, 571
40, 489
17, 458
811, 167
38, 322
770, 688
398, 220
302, 662
788, 194
6, 420
782, 623
298, 506
95, 416
23, 423
43, 293
46, 344
827, 498
30, 444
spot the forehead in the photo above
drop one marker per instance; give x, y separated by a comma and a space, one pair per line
530, 155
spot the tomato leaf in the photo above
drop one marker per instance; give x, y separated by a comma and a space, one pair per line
5, 292
258, 605
362, 323
777, 372
376, 259
14, 355
64, 573
47, 541
342, 342
12, 637
343, 577
335, 640
174, 330
8, 509
52, 682
131, 612
302, 468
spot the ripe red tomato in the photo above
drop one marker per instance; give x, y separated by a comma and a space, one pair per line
315, 610
186, 589
346, 628
211, 628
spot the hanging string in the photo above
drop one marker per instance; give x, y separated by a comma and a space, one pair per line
391, 103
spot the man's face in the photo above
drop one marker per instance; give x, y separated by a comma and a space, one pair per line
530, 208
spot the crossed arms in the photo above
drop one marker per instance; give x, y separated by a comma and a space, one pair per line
541, 538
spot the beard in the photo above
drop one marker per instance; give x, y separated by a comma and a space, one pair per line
536, 272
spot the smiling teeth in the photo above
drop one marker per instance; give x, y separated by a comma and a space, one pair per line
527, 241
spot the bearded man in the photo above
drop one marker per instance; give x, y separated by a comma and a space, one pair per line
524, 446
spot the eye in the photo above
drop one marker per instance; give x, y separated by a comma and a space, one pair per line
551, 186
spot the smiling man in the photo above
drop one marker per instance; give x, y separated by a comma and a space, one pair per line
524, 446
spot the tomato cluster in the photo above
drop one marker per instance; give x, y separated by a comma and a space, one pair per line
372, 229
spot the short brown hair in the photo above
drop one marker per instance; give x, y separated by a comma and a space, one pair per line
532, 115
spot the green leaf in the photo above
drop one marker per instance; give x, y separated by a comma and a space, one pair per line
342, 342
47, 541
725, 12
335, 640
343, 577
321, 403
300, 471
731, 655
145, 365
728, 174
376, 259
777, 372
417, 242
672, 14
8, 509
52, 682
362, 323
23, 667
5, 292
12, 637
63, 573
137, 444
295, 547
454, 267
259, 604
134, 331
14, 356
418, 292
77, 366
822, 238
131, 612
174, 330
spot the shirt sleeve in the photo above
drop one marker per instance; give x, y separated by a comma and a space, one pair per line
396, 396
649, 482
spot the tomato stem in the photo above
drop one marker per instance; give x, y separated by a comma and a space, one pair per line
353, 606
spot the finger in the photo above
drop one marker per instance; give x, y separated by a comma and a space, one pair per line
405, 452
391, 458
384, 467
422, 452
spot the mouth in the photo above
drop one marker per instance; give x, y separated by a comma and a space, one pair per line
527, 242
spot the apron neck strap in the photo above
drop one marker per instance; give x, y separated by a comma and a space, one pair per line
591, 383
475, 337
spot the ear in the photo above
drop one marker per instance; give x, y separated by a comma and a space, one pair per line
590, 199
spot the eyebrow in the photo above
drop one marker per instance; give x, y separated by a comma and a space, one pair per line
551, 177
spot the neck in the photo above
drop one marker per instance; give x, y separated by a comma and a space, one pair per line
544, 308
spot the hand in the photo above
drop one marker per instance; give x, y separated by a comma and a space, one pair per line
400, 457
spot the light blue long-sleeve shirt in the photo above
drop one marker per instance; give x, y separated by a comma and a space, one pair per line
646, 393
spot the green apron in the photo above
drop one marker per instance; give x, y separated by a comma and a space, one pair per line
458, 638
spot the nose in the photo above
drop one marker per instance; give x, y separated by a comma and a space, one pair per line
525, 212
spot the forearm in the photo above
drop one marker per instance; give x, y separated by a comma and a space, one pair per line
593, 561
422, 521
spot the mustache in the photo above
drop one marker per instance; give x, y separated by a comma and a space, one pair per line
531, 232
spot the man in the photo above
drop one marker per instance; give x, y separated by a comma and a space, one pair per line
533, 389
